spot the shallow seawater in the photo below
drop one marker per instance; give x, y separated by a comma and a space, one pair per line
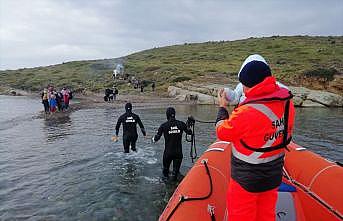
69, 169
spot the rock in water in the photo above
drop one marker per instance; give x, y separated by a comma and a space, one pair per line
326, 98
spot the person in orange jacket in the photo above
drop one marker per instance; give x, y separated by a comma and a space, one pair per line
259, 130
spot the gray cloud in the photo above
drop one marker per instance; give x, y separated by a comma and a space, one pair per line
42, 32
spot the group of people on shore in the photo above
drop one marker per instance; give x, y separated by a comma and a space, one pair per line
111, 94
259, 130
141, 84
54, 100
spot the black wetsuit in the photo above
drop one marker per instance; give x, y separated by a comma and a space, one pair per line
172, 131
129, 121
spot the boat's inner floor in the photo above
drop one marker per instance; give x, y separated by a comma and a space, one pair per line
285, 208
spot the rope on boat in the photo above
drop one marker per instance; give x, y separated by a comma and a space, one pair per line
191, 138
186, 198
312, 194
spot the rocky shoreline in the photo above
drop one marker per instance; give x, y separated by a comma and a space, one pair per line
191, 93
13, 92
206, 94
91, 100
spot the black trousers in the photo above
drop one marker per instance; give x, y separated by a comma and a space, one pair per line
129, 141
167, 159
46, 106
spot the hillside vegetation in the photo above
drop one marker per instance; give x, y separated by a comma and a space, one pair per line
94, 75
314, 62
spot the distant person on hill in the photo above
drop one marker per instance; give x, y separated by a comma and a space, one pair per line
45, 100
142, 88
115, 93
135, 84
153, 86
172, 131
109, 95
139, 84
237, 95
129, 121
115, 73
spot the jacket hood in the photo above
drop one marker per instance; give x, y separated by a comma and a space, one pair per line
267, 86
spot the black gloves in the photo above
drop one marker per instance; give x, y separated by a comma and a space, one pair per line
143, 132
190, 121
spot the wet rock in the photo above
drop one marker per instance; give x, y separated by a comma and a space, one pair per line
297, 101
206, 94
206, 99
13, 93
301, 92
326, 98
181, 97
172, 91
309, 103
190, 96
322, 98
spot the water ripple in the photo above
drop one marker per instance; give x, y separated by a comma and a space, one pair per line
68, 168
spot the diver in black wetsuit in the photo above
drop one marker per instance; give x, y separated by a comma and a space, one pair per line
172, 131
129, 121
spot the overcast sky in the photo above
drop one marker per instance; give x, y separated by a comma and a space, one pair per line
42, 32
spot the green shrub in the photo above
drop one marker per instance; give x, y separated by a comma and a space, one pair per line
181, 78
211, 70
327, 74
152, 68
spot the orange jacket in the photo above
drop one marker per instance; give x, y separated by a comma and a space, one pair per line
258, 123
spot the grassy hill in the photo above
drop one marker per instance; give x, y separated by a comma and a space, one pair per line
314, 62
94, 75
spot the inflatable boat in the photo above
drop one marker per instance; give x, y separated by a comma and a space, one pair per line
312, 188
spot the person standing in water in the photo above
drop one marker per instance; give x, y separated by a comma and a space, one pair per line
172, 131
45, 101
59, 99
65, 92
53, 103
129, 121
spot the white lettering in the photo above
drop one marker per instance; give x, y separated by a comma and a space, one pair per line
130, 120
174, 130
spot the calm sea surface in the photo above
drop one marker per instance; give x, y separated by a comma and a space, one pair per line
69, 169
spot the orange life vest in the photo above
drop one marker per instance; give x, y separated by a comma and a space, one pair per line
274, 126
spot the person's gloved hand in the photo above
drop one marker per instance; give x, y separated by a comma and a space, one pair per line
143, 132
153, 140
190, 121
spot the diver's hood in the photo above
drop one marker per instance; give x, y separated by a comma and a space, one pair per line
170, 113
128, 107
